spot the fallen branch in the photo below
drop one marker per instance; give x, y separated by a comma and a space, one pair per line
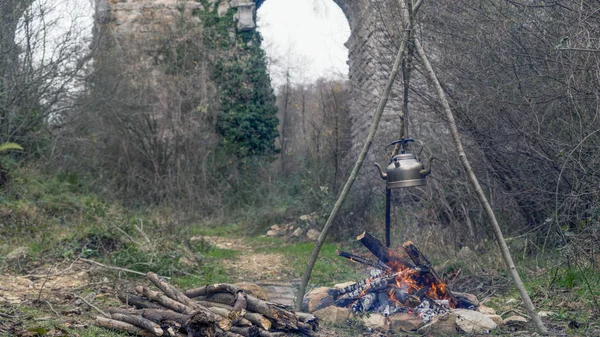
140, 322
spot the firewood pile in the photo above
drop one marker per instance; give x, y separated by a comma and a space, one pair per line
213, 310
404, 283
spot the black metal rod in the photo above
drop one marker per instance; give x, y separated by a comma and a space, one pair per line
388, 195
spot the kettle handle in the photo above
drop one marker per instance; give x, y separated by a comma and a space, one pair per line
404, 142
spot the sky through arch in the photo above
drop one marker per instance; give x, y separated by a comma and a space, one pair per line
308, 35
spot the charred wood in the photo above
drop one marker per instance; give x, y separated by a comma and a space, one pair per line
382, 253
362, 260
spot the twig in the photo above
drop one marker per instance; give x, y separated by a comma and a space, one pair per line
51, 308
93, 306
117, 268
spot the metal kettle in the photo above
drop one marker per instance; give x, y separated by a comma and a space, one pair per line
405, 170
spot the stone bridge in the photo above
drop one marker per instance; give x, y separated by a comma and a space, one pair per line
375, 30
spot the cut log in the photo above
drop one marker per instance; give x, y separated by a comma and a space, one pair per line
164, 300
169, 290
257, 319
241, 321
138, 302
239, 307
160, 316
250, 331
118, 325
382, 253
212, 289
282, 319
180, 297
139, 321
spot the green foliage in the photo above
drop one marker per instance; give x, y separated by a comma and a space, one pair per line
247, 119
10, 146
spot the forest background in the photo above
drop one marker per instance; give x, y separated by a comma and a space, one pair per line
110, 151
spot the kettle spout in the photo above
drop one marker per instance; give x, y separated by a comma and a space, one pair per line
381, 173
427, 170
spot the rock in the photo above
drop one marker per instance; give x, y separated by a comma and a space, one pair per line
305, 217
254, 289
405, 322
333, 315
497, 319
316, 299
486, 310
465, 253
515, 321
273, 232
440, 325
298, 232
470, 297
375, 321
275, 227
473, 322
343, 285
223, 8
543, 314
18, 253
312, 234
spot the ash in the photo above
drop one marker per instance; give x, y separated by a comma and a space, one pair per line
426, 310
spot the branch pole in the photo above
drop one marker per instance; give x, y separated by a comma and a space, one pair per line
353, 175
480, 194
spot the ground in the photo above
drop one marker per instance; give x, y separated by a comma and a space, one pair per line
50, 299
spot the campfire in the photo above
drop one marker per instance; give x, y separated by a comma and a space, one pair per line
397, 284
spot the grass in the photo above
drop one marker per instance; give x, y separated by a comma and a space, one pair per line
57, 219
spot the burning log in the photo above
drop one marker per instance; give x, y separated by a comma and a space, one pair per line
431, 278
402, 296
382, 253
364, 303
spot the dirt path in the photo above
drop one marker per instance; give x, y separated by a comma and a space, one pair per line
269, 270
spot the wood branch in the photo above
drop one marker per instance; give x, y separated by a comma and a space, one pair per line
239, 307
139, 321
382, 253
241, 321
118, 325
282, 318
361, 260
264, 333
169, 290
212, 289
138, 302
256, 318
250, 331
358, 286
164, 300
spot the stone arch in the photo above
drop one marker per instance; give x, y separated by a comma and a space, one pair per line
374, 27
